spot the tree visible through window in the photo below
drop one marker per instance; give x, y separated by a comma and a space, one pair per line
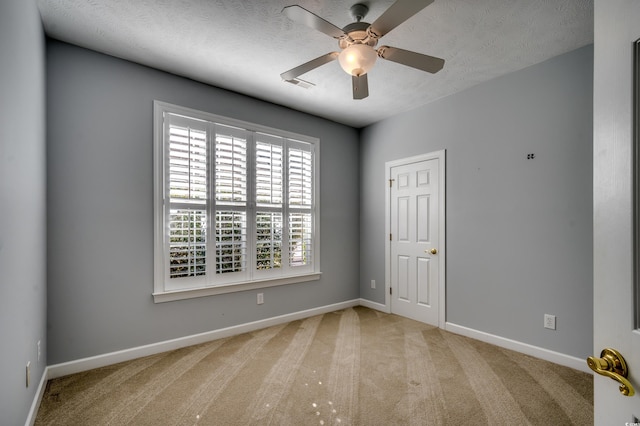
238, 204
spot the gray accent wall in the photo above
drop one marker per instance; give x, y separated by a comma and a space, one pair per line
22, 207
519, 231
100, 207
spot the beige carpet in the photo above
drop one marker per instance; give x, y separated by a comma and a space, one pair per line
352, 367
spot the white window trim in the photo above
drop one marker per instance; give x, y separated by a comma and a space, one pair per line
160, 293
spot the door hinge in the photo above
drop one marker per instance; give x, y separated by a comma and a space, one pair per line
390, 290
391, 183
390, 237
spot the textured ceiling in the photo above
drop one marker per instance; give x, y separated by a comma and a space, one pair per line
244, 45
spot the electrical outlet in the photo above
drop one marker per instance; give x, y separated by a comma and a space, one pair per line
28, 379
373, 283
550, 321
260, 298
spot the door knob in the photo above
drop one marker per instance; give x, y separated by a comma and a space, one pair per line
432, 251
612, 364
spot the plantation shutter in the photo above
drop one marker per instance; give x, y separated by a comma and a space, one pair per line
231, 202
269, 184
301, 204
187, 188
233, 206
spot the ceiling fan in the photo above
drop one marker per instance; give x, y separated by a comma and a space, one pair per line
357, 41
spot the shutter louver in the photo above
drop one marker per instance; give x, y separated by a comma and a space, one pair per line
268, 240
231, 167
187, 164
300, 239
268, 174
231, 241
300, 182
187, 243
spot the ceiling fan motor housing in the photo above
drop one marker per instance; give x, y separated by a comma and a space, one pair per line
357, 34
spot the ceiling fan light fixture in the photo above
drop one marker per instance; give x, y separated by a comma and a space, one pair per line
357, 59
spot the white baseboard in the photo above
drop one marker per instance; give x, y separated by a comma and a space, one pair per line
374, 305
525, 348
84, 364
35, 405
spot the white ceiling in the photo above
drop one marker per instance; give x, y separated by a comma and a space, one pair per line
244, 45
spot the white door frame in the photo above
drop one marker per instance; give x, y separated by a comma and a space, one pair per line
442, 252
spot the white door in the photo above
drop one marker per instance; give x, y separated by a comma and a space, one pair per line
416, 246
616, 293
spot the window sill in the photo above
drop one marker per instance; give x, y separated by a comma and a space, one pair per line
169, 296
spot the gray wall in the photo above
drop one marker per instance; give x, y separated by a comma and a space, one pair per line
100, 207
22, 207
519, 232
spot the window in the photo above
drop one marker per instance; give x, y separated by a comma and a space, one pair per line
235, 205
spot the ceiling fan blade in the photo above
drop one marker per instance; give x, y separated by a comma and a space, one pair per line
310, 19
399, 12
360, 86
411, 59
308, 66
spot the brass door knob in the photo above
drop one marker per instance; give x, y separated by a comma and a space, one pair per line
612, 364
432, 251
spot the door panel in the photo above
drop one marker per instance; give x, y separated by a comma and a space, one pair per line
403, 278
402, 219
423, 225
424, 272
615, 323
